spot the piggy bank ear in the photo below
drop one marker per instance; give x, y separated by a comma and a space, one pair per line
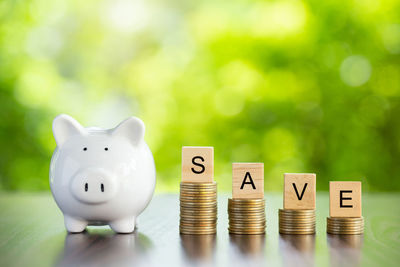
64, 127
131, 128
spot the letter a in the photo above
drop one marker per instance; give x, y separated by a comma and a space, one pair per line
250, 182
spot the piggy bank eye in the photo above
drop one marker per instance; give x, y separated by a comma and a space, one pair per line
85, 148
106, 148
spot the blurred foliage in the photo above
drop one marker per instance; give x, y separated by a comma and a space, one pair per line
303, 86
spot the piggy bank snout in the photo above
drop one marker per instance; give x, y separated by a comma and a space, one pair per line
93, 186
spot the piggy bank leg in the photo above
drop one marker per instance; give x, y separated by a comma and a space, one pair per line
74, 225
123, 226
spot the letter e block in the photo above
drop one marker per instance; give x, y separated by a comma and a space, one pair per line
299, 191
345, 199
197, 164
248, 180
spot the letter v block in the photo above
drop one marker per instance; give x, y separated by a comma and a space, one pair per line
247, 180
197, 164
299, 191
345, 199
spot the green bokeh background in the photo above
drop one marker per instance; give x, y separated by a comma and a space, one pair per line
303, 86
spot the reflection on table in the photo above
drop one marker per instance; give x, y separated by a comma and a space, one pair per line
198, 248
297, 250
345, 250
103, 247
246, 250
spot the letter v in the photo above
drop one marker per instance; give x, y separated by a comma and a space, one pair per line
302, 192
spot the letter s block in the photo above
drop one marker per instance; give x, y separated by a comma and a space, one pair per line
345, 199
247, 180
197, 164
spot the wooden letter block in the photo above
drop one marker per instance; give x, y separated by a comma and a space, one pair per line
299, 191
197, 164
345, 199
247, 180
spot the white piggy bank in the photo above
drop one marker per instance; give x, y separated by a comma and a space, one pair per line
100, 176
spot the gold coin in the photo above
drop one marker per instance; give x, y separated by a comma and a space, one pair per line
184, 232
283, 217
199, 185
198, 191
198, 195
297, 217
197, 212
297, 229
296, 211
244, 205
198, 226
246, 232
198, 218
234, 218
248, 221
347, 223
184, 184
246, 210
197, 229
203, 212
241, 232
244, 216
246, 200
209, 219
198, 198
311, 229
297, 233
199, 205
296, 223
345, 232
345, 219
198, 221
247, 228
255, 220
352, 227
293, 216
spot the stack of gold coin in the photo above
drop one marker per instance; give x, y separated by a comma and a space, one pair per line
345, 225
198, 202
246, 216
296, 222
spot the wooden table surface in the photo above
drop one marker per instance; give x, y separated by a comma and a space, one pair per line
32, 234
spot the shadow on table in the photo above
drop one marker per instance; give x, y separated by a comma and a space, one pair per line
345, 250
198, 248
297, 250
103, 247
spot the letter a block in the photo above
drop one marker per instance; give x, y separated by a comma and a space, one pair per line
197, 164
247, 180
299, 191
345, 199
